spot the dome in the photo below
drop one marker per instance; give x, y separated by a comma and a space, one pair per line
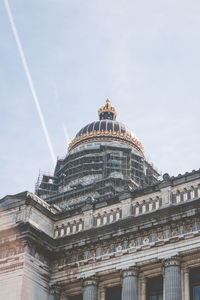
106, 129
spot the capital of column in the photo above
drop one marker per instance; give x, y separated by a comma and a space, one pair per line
130, 272
90, 281
172, 261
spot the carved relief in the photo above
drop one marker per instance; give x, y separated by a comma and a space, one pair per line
124, 245
146, 240
132, 243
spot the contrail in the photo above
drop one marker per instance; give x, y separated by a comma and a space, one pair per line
30, 81
60, 111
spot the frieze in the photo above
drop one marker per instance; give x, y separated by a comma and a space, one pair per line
11, 250
131, 242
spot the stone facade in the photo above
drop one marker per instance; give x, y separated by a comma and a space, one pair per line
40, 259
115, 234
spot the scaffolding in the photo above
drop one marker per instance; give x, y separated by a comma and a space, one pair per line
46, 185
101, 170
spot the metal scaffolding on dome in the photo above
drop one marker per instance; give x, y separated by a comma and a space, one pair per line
98, 171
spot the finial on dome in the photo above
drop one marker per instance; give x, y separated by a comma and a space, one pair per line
108, 100
107, 111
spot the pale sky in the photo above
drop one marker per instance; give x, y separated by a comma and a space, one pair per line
144, 55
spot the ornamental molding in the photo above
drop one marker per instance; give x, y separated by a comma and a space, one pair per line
96, 136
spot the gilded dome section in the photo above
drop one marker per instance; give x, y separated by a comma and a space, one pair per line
106, 129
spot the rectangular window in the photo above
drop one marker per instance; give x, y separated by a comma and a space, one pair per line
114, 293
195, 284
155, 288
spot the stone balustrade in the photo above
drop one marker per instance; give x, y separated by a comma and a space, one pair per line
177, 195
107, 217
138, 206
71, 227
146, 206
187, 193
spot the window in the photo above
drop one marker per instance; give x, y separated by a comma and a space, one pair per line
155, 288
195, 284
114, 293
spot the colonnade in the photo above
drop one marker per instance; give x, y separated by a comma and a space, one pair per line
172, 284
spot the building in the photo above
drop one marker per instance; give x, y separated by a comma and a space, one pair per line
103, 226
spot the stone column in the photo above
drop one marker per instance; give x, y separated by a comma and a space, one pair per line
54, 293
187, 284
90, 291
172, 279
130, 284
143, 288
102, 293
163, 286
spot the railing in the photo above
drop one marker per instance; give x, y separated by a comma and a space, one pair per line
180, 195
145, 205
68, 229
107, 217
185, 194
148, 205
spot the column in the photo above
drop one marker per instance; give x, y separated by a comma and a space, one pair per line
187, 284
54, 293
172, 279
102, 293
90, 291
130, 284
163, 285
143, 288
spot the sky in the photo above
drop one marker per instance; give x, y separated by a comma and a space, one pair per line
143, 55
